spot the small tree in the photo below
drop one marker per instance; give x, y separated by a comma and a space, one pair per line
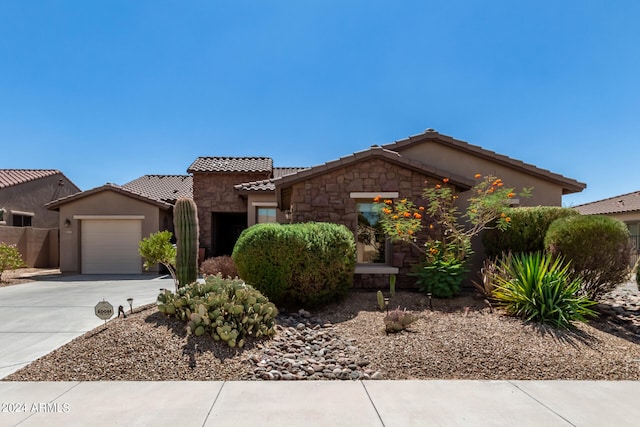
449, 243
10, 258
158, 249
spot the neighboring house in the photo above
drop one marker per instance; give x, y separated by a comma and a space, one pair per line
625, 207
101, 228
24, 219
233, 193
24, 193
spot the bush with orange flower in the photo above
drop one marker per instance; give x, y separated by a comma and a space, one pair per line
448, 245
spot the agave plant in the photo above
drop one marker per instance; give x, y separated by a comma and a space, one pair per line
538, 287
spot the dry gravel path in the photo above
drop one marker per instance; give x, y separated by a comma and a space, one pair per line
458, 339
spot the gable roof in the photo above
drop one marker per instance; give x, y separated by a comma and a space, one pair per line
10, 177
166, 188
372, 152
568, 185
624, 203
55, 205
231, 164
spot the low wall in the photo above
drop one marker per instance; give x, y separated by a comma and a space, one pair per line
38, 246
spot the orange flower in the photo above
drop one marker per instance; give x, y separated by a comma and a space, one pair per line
510, 195
503, 214
476, 176
438, 186
403, 201
445, 180
417, 215
421, 208
387, 211
376, 199
507, 219
388, 202
407, 214
430, 226
500, 184
410, 231
395, 217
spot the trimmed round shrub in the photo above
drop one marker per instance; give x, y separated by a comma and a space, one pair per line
297, 265
526, 232
598, 248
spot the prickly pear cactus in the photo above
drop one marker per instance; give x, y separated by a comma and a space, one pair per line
185, 222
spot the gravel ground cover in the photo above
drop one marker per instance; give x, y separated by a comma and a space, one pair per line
461, 338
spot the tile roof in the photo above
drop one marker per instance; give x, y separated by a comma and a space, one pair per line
267, 184
619, 204
10, 177
569, 185
167, 188
54, 205
231, 164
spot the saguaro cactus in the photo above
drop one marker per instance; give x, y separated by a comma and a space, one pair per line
185, 222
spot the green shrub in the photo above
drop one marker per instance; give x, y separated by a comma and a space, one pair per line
598, 248
306, 264
440, 274
10, 258
527, 229
157, 249
227, 310
222, 265
539, 288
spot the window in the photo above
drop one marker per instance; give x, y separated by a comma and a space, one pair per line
265, 215
21, 219
370, 239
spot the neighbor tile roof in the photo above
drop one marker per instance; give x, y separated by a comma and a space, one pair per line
9, 177
231, 164
167, 188
619, 204
267, 184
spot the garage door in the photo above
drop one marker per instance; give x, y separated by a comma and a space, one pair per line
111, 246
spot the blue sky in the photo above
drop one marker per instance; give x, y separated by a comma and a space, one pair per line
107, 91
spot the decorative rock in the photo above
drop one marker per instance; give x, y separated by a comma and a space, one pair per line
376, 375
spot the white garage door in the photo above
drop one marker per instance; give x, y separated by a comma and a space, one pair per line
110, 246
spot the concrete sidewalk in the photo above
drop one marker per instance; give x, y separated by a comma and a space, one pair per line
321, 403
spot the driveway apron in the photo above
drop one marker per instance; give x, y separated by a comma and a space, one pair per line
38, 317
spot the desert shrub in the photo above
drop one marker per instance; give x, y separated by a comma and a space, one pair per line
439, 274
158, 249
306, 264
10, 258
226, 309
598, 248
222, 265
636, 272
528, 227
492, 269
539, 287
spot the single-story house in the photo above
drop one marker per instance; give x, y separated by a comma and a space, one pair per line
233, 193
625, 208
24, 193
24, 219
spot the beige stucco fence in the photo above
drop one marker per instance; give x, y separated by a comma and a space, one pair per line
38, 246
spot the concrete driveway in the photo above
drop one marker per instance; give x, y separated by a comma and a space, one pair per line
40, 316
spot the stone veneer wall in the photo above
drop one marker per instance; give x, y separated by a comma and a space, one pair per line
326, 198
214, 192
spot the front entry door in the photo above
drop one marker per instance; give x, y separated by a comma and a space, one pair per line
226, 230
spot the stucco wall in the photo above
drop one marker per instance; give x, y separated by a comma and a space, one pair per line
33, 195
102, 203
545, 192
38, 246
